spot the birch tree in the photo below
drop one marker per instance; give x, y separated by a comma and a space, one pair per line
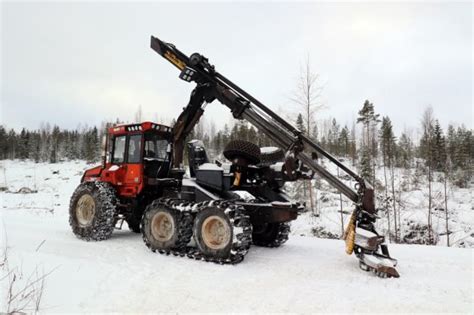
307, 96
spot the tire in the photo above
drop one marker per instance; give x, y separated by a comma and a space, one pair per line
92, 211
162, 227
207, 224
270, 234
242, 149
271, 157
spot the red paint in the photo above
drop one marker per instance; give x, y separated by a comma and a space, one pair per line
127, 178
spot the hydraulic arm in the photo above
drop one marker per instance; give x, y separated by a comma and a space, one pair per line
212, 85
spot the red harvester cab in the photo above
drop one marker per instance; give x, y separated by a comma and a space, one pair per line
135, 156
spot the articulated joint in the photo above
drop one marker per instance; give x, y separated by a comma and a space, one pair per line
239, 108
198, 59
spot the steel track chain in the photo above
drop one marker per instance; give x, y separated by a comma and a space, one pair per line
240, 222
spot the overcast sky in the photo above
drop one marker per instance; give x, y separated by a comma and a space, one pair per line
87, 62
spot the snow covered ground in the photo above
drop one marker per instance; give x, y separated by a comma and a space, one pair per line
305, 275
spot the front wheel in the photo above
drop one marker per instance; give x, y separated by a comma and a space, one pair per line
92, 211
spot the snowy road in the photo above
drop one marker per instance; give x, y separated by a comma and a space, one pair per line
305, 275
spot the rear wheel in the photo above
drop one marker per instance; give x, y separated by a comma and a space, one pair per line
92, 211
163, 227
270, 234
213, 233
222, 232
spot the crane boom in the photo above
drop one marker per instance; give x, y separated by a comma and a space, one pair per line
213, 85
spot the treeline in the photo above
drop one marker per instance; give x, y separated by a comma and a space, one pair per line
216, 140
369, 142
50, 144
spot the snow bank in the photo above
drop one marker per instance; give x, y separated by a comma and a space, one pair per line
268, 149
210, 167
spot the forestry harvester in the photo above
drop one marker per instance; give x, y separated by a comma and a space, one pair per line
218, 210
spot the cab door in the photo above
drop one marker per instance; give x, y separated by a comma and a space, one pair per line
134, 173
118, 168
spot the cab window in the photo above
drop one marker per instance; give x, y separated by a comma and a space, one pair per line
156, 149
119, 149
134, 149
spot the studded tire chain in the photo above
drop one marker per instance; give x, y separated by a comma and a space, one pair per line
240, 222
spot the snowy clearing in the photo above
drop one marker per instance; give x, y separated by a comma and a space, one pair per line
305, 275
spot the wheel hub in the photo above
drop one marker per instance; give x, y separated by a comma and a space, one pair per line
85, 210
216, 232
162, 226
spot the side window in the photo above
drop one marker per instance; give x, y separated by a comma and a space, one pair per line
156, 149
150, 148
119, 149
161, 147
134, 148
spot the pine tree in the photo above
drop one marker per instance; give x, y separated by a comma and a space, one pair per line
300, 124
405, 156
365, 164
55, 139
225, 137
333, 137
369, 120
343, 142
242, 131
367, 117
22, 145
387, 143
252, 135
438, 148
3, 143
353, 144
12, 144
462, 156
34, 146
45, 142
